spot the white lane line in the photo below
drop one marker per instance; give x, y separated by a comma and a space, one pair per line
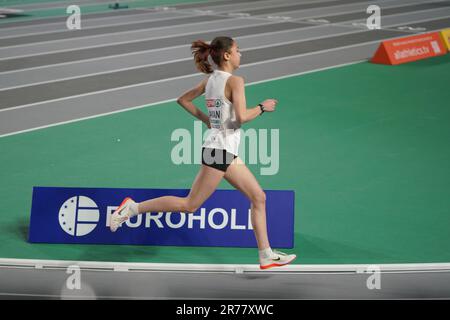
184, 76
227, 28
400, 15
382, 16
64, 28
96, 92
26, 5
182, 11
184, 59
5, 25
161, 102
151, 8
388, 4
336, 4
255, 18
163, 48
351, 268
390, 25
183, 14
96, 74
339, 24
94, 59
167, 61
111, 34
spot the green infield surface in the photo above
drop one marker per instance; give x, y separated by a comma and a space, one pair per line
365, 147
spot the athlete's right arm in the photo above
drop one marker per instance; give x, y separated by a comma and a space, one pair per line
240, 105
186, 101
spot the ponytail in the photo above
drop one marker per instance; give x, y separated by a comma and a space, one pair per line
200, 49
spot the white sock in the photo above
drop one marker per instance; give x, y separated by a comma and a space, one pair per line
134, 209
266, 253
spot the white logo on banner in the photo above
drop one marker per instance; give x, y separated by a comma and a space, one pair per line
78, 216
216, 218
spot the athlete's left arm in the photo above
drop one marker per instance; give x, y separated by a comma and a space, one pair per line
186, 101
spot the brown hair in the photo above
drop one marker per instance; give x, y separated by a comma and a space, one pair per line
200, 49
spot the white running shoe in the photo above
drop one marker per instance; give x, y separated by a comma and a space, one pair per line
278, 259
121, 214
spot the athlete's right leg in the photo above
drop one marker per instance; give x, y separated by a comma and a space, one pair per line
203, 186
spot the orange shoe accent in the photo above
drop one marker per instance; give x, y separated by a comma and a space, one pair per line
275, 265
270, 266
123, 202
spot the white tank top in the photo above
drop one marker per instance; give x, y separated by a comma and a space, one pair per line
225, 131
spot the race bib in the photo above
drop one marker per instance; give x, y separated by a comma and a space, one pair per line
215, 112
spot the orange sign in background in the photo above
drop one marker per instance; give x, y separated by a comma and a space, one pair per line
406, 49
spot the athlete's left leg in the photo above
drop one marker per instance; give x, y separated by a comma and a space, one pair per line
240, 177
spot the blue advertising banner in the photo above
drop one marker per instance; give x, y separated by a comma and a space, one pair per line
82, 215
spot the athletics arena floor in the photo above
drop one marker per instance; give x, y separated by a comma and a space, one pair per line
364, 146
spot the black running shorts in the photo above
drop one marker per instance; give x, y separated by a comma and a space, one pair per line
217, 158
